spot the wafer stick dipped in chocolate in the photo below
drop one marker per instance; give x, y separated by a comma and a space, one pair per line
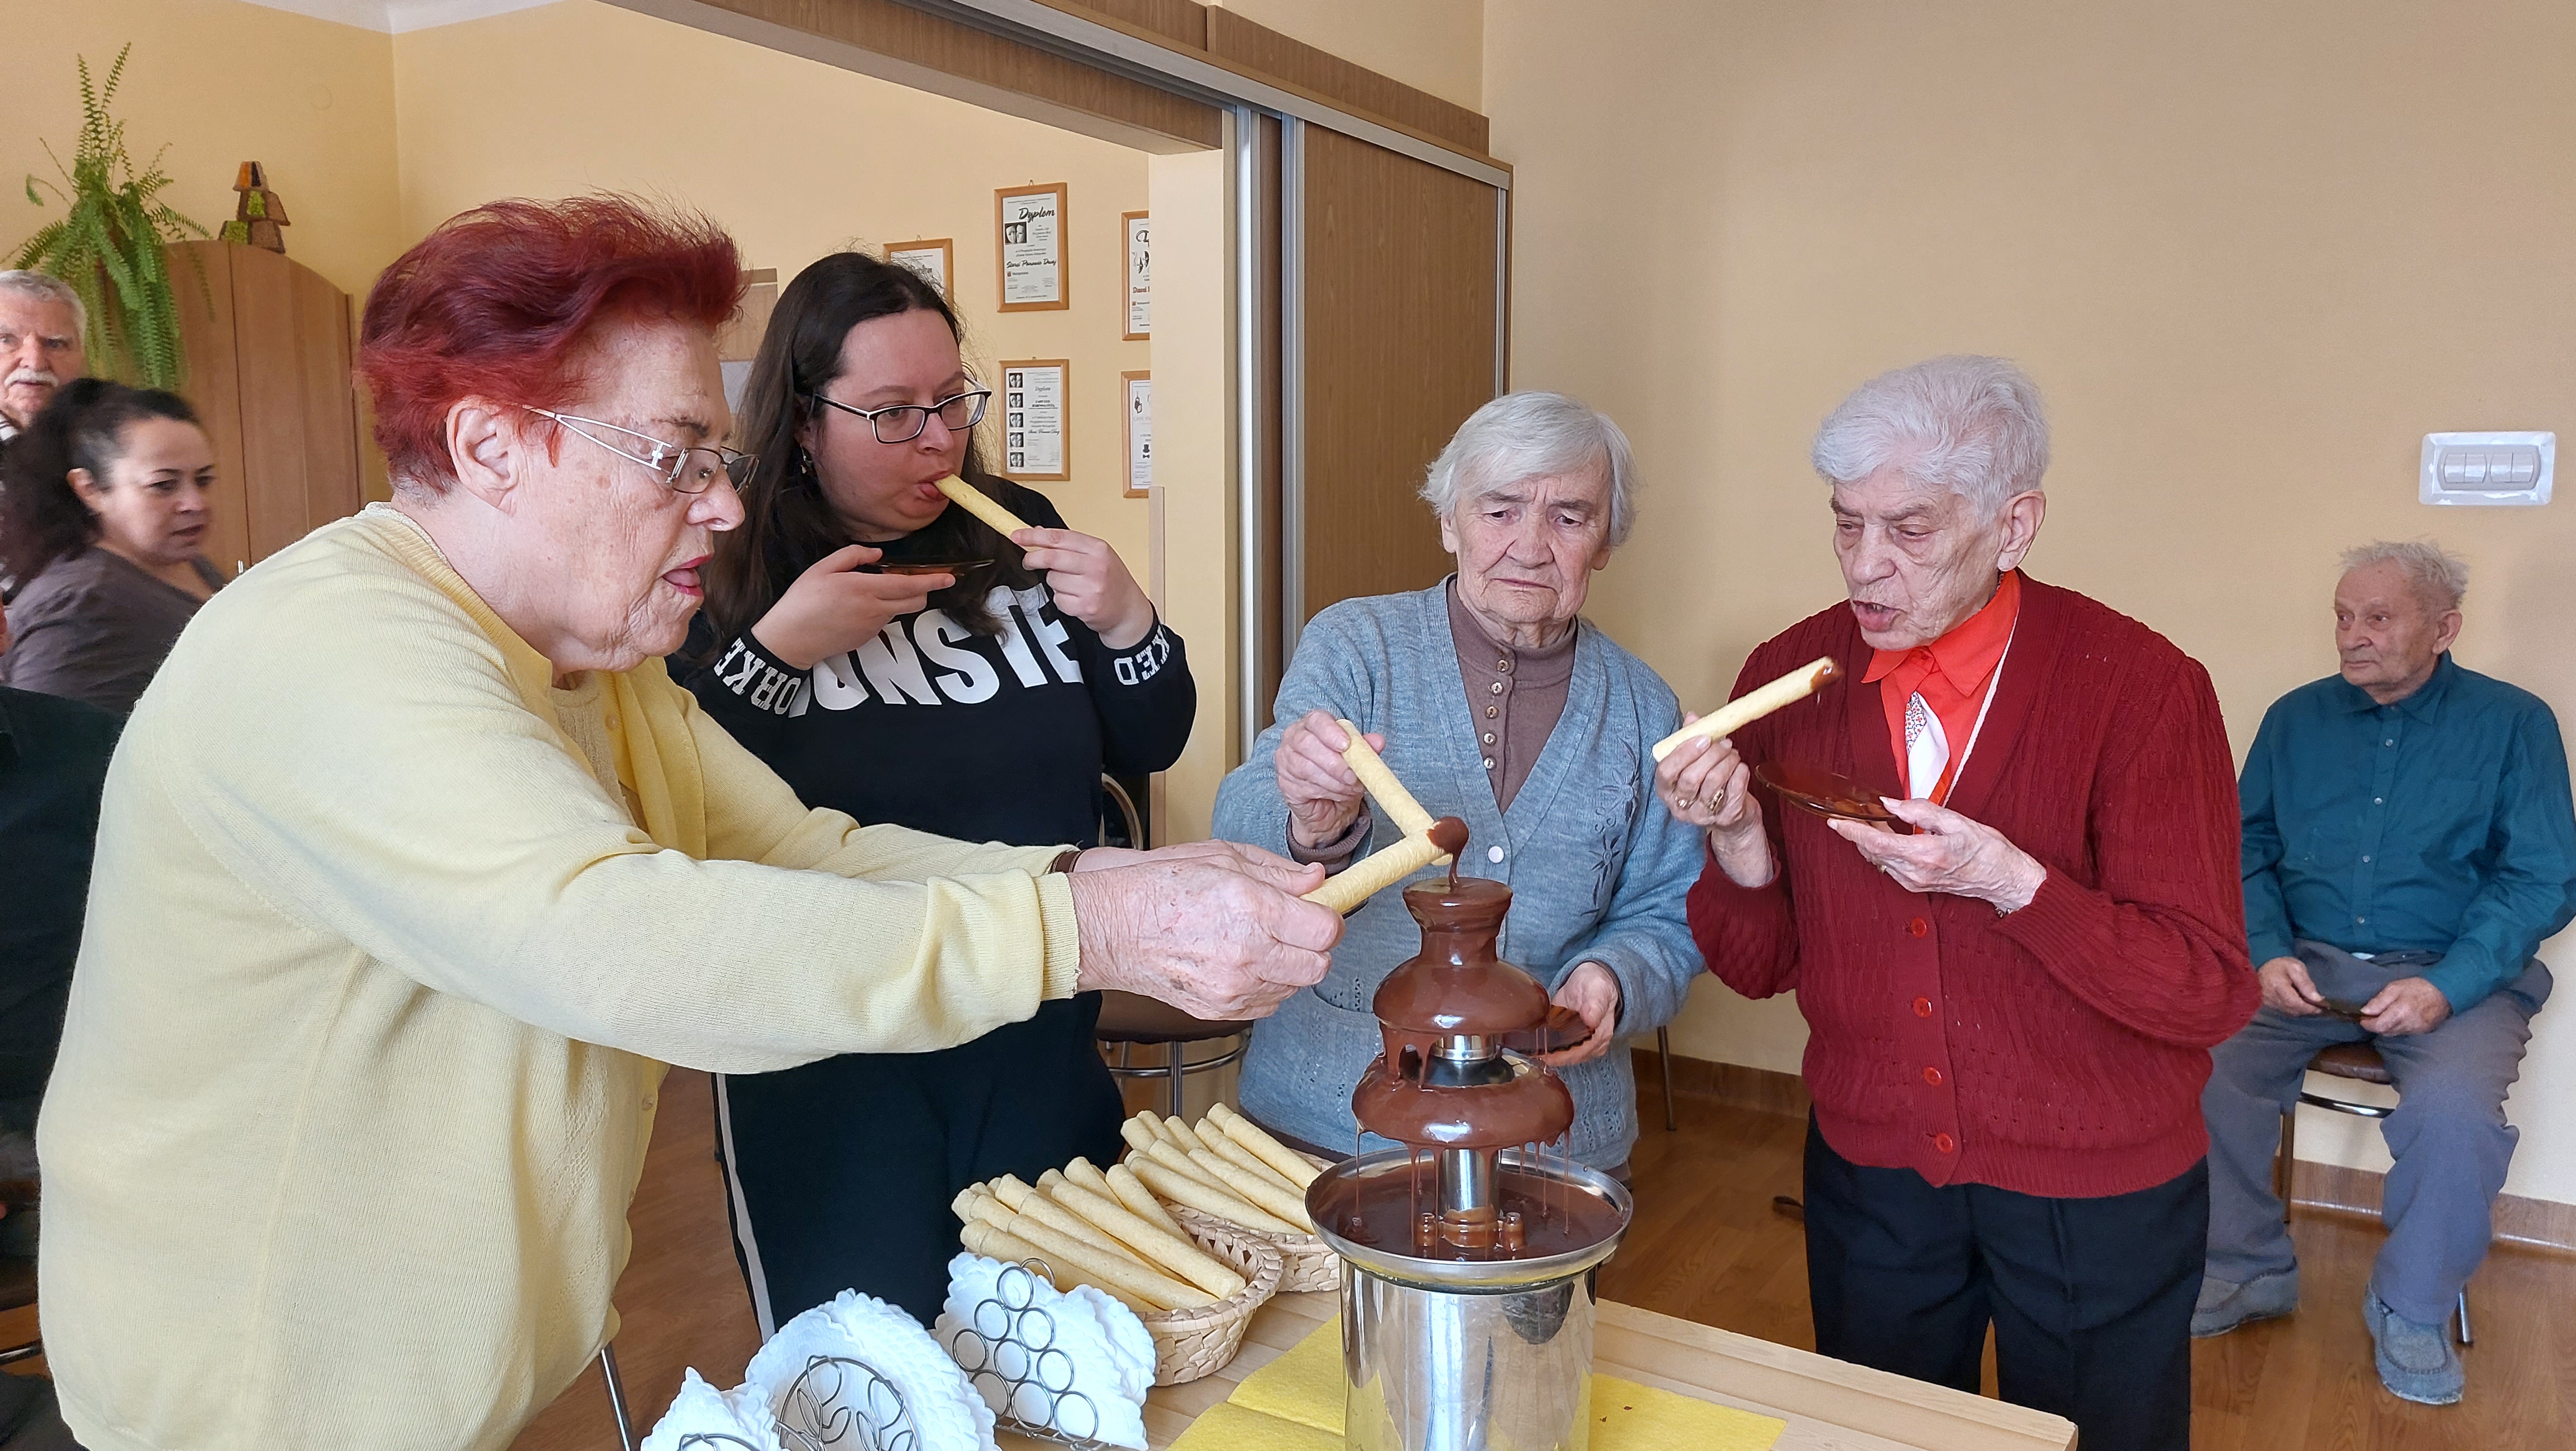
1753, 704
1380, 870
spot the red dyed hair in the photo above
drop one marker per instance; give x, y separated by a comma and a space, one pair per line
494, 302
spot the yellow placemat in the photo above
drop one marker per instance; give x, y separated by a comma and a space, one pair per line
1295, 1402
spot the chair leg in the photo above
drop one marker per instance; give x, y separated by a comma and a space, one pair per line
2465, 1337
616, 1397
2282, 1161
1664, 1056
1180, 1065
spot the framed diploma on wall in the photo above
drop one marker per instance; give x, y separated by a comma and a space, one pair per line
1140, 276
1037, 432
1030, 244
1140, 433
933, 259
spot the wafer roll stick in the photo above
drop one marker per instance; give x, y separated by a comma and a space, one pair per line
1376, 872
1272, 1152
1170, 1253
1381, 784
1752, 705
1182, 1134
1009, 1248
1244, 1159
980, 504
1067, 1253
1139, 1134
1183, 1190
1177, 1159
1023, 1200
1131, 1191
1269, 1197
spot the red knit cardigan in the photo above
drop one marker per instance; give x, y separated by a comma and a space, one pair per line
2059, 1050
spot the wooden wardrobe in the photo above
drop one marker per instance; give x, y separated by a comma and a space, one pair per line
268, 342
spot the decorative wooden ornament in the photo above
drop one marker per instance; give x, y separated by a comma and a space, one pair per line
257, 219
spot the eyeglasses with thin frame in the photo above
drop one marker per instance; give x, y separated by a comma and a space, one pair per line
904, 422
683, 469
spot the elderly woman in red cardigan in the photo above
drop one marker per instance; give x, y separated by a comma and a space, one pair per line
2011, 1005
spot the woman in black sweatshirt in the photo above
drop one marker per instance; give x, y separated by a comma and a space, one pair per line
981, 701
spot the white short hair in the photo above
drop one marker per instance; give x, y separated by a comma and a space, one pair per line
1529, 436
51, 289
2438, 577
1968, 424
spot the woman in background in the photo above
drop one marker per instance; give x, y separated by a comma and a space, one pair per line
981, 701
101, 520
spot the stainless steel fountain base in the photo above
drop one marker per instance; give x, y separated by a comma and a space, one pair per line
1448, 1355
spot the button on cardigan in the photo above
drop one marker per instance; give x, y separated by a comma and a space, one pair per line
2059, 1050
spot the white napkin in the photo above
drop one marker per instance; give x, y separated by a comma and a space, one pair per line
1075, 1361
701, 1409
945, 1411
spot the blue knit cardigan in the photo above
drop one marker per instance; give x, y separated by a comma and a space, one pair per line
1598, 869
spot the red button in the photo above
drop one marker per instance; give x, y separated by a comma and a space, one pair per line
1932, 1076
1945, 1143
1918, 927
1922, 1007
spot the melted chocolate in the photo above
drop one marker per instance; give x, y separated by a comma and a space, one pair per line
1534, 1217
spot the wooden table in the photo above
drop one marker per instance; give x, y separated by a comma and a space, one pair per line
1830, 1405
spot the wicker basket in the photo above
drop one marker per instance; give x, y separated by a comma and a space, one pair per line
1305, 1261
1189, 1344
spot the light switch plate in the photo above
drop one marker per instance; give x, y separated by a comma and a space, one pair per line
2487, 468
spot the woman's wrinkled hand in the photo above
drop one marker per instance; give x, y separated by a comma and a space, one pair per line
1593, 991
831, 607
1706, 784
1216, 929
1324, 796
1091, 583
1948, 853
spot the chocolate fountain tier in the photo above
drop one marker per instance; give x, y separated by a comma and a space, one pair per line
1456, 986
1369, 1210
1504, 1101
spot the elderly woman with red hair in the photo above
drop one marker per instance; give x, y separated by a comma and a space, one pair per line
416, 868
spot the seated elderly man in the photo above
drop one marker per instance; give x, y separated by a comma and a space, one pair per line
41, 322
2010, 1008
1494, 701
414, 869
2409, 842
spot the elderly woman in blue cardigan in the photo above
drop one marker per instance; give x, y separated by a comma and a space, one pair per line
1494, 701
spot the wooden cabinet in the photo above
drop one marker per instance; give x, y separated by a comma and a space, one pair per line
268, 342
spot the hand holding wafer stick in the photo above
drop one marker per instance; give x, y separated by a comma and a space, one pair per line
980, 504
1371, 768
1752, 705
1270, 1151
1345, 890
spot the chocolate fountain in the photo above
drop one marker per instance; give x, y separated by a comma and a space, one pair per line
1467, 1295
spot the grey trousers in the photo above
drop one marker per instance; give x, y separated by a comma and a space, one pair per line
2448, 1136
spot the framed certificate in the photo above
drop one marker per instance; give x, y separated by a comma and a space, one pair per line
932, 259
1140, 276
1030, 223
1036, 421
1140, 433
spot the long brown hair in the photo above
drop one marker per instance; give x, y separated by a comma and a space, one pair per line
787, 523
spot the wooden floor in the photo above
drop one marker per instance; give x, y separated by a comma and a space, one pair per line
1708, 1246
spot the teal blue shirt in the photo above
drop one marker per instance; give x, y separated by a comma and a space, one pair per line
2439, 824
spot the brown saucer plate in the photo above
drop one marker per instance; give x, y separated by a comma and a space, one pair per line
1822, 792
1564, 1028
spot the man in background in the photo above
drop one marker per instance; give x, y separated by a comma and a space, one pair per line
2409, 842
41, 323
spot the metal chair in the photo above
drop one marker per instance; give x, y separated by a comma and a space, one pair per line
616, 1397
1129, 1020
2360, 1063
1664, 1058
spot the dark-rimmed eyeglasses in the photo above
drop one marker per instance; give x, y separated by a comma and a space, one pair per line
682, 468
904, 422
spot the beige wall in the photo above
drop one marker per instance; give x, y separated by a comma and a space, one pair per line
219, 83
2250, 252
796, 159
1430, 45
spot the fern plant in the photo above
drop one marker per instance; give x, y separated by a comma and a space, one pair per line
108, 245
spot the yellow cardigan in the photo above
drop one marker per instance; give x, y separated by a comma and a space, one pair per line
376, 990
